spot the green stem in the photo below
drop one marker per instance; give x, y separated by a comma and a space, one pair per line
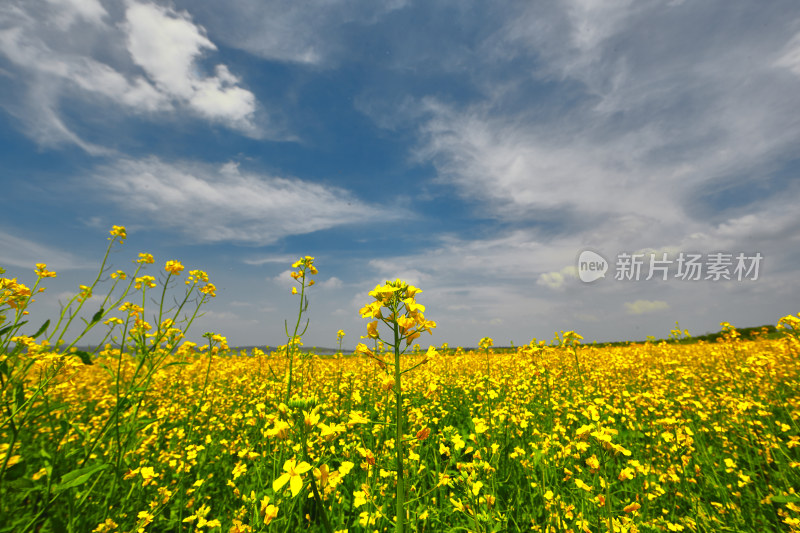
398, 394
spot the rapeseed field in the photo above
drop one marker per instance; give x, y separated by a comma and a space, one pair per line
152, 433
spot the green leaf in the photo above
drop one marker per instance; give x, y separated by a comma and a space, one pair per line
176, 363
78, 477
537, 457
86, 357
108, 369
123, 404
139, 424
15, 471
97, 316
12, 326
24, 484
785, 499
19, 395
42, 329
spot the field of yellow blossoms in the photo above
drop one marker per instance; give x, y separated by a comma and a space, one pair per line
154, 434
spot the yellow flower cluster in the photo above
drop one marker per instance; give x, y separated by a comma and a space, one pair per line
304, 266
174, 267
642, 437
42, 272
119, 231
399, 298
13, 294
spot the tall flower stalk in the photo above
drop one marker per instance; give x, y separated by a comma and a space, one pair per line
396, 307
305, 269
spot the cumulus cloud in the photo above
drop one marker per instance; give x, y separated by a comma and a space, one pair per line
147, 63
225, 204
557, 280
332, 283
167, 45
640, 307
66, 12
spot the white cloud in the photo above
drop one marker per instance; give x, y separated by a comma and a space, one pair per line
284, 278
557, 280
658, 109
86, 73
67, 12
223, 204
640, 307
312, 32
391, 270
332, 283
790, 56
25, 253
168, 45
285, 259
71, 49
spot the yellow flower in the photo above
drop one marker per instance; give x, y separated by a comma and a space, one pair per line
106, 527
239, 469
174, 267
197, 275
280, 430
42, 272
357, 418
146, 258
632, 507
430, 354
413, 307
311, 419
86, 292
476, 488
119, 231
293, 475
148, 475
372, 310
268, 510
345, 468
209, 289
372, 330
147, 281
480, 425
384, 292
405, 323
458, 505
361, 498
363, 349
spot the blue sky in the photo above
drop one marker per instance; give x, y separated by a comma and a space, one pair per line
474, 149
